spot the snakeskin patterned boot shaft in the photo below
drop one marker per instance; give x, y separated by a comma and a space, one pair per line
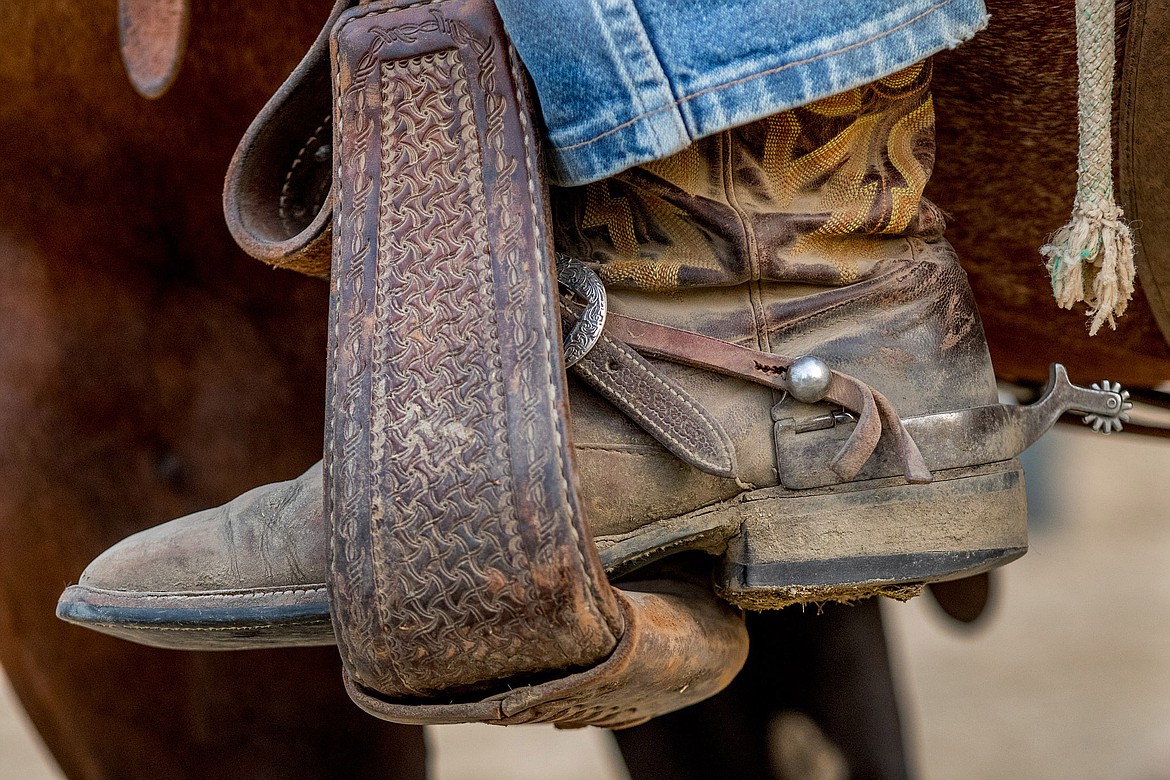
821, 194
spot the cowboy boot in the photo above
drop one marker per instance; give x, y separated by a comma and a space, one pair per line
802, 234
805, 233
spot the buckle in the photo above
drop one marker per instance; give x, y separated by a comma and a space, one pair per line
575, 277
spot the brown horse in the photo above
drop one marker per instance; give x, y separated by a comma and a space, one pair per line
150, 369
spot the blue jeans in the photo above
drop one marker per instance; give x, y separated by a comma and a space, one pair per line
623, 82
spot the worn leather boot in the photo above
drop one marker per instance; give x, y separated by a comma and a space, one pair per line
804, 234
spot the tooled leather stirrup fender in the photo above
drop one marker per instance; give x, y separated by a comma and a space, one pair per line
463, 580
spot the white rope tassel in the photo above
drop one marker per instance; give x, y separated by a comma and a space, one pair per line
1091, 258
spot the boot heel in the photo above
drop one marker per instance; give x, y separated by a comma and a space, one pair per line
876, 537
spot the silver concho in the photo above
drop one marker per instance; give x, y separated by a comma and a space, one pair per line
809, 378
575, 277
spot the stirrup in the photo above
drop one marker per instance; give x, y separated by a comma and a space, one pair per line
463, 579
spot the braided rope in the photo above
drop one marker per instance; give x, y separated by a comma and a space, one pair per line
1091, 258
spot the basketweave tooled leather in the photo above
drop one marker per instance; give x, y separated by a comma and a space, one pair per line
453, 527
460, 564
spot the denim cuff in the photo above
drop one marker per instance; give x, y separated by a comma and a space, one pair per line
623, 82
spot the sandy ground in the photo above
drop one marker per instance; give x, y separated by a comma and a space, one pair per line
1067, 677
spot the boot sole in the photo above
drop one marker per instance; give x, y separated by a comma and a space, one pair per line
228, 620
779, 547
845, 542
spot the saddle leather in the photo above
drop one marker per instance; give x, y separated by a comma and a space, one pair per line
1144, 180
278, 193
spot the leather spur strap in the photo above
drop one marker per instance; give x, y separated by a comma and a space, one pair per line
460, 563
876, 415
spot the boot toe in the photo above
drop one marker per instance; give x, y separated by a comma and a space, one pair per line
248, 574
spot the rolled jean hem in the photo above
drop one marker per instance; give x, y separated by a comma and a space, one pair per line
666, 129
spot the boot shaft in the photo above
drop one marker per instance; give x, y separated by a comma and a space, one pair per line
823, 194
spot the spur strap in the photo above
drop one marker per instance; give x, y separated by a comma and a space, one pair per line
658, 405
875, 412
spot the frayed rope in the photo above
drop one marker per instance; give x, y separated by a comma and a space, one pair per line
1091, 258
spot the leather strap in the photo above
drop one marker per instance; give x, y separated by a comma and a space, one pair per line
658, 406
278, 194
876, 413
460, 559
